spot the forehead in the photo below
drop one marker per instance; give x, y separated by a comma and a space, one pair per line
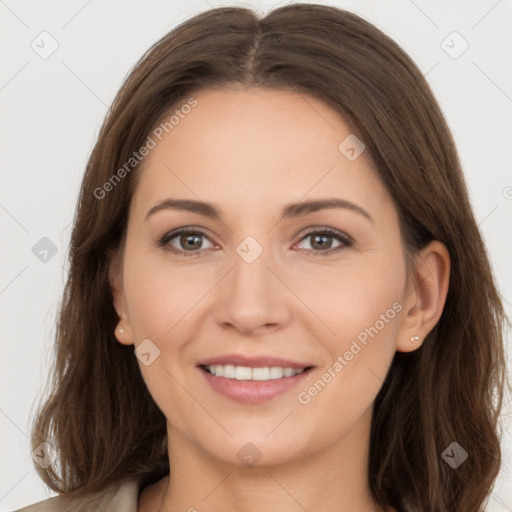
260, 145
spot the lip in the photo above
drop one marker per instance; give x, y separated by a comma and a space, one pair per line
260, 361
252, 391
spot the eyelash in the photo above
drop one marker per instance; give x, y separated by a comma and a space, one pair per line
341, 237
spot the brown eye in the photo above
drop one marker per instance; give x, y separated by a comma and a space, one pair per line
321, 241
188, 242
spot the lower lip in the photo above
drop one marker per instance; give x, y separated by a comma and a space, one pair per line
252, 391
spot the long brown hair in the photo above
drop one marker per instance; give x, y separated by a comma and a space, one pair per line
99, 415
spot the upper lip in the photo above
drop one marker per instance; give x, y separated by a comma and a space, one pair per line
260, 361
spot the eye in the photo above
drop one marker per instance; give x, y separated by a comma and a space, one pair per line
189, 241
322, 241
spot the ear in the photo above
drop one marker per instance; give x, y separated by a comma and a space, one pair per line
425, 296
123, 331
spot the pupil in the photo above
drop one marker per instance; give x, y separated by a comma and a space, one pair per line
322, 246
187, 238
324, 241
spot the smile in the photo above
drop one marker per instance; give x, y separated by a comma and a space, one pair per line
252, 385
230, 371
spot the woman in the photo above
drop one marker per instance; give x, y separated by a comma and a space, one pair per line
278, 295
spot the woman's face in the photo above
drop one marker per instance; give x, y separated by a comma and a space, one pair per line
258, 283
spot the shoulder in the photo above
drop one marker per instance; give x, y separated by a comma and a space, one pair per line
121, 496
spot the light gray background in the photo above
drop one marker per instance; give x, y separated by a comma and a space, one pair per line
52, 109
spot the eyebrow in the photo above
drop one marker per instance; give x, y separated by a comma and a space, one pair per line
290, 211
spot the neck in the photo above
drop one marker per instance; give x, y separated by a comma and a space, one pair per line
334, 479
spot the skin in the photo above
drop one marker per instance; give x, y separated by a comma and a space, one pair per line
250, 152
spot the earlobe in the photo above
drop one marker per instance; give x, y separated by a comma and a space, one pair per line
123, 332
426, 296
123, 335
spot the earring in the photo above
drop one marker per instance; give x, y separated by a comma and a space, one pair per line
121, 330
414, 339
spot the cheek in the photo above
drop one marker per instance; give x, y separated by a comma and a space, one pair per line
359, 357
159, 295
354, 298
362, 307
158, 299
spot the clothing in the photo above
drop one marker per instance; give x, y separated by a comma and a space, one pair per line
122, 496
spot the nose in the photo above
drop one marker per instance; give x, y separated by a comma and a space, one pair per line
252, 300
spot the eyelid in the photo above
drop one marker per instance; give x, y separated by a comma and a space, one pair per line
330, 231
164, 240
342, 237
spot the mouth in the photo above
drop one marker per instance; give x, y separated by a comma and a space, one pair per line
265, 373
252, 384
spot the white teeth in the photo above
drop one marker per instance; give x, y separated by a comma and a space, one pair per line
228, 371
243, 373
288, 372
246, 373
261, 373
276, 372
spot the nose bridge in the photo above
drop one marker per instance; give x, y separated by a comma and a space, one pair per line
252, 296
251, 279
